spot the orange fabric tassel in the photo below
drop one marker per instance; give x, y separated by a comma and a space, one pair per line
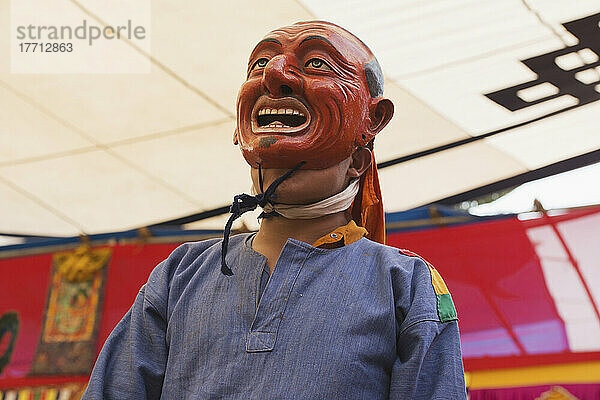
367, 209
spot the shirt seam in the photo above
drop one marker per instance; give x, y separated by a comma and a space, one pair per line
148, 298
424, 320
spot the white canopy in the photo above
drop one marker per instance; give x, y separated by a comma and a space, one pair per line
99, 152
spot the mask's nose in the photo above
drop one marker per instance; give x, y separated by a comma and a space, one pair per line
279, 79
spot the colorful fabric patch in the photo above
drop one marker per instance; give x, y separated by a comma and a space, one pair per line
69, 330
445, 305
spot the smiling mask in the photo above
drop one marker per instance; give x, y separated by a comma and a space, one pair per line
311, 94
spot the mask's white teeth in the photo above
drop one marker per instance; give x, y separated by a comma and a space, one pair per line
276, 124
280, 111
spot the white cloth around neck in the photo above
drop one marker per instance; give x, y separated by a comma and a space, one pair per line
331, 205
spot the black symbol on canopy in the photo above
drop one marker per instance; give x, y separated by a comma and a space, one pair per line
573, 70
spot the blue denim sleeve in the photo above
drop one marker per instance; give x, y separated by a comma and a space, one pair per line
132, 362
428, 363
133, 359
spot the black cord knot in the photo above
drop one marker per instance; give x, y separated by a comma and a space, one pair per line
261, 199
243, 203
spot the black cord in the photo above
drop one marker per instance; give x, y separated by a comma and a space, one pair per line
260, 179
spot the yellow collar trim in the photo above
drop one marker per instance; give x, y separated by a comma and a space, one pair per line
349, 233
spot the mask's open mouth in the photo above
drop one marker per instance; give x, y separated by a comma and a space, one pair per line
286, 117
282, 115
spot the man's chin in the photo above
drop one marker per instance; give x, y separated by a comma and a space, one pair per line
278, 161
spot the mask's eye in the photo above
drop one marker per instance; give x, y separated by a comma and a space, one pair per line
260, 63
317, 64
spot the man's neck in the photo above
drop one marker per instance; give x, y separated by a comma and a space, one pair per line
275, 231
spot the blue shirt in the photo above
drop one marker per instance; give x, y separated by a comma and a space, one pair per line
355, 322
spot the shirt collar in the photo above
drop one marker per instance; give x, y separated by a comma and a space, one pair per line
341, 236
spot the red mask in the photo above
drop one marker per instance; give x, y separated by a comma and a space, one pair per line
306, 98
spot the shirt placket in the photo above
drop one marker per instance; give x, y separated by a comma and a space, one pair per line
275, 298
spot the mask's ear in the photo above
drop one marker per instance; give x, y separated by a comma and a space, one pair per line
380, 113
235, 137
361, 160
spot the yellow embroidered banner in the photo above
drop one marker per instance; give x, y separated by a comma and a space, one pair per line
69, 330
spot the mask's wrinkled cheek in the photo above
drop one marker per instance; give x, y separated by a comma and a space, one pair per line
247, 96
328, 103
249, 92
